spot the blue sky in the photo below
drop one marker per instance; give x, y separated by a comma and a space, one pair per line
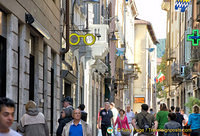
150, 10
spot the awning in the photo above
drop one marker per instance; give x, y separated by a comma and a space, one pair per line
67, 75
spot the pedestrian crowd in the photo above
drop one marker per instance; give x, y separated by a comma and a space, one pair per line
111, 121
166, 122
72, 122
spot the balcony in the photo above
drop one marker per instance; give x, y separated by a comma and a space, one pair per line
172, 55
175, 74
195, 67
166, 5
100, 49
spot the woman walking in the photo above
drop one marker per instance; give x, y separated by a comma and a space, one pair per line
122, 122
162, 117
62, 122
33, 122
194, 120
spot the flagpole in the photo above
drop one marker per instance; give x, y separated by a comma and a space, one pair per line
155, 104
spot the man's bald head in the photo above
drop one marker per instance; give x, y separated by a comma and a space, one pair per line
128, 108
76, 114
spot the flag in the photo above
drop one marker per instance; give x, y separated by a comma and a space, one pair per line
120, 51
160, 77
155, 79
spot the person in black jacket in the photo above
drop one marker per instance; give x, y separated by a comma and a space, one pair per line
83, 113
66, 114
64, 119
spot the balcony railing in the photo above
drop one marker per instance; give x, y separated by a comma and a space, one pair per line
174, 69
176, 74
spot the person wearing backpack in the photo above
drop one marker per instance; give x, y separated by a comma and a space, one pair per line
144, 122
162, 118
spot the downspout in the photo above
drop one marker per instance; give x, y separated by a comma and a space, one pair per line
66, 49
170, 52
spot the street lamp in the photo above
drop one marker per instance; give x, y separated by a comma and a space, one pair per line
113, 38
32, 21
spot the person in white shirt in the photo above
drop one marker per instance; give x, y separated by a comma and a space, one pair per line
7, 109
184, 116
115, 113
130, 115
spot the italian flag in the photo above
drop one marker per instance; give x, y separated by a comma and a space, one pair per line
160, 77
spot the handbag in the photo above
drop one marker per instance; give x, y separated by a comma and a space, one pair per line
124, 132
186, 129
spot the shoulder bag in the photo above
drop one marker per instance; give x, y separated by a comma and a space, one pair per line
124, 132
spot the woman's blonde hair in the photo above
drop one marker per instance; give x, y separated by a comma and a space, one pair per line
196, 108
30, 104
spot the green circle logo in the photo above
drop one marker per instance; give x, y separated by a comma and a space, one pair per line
110, 130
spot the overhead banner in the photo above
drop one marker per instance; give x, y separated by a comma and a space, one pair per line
120, 51
182, 4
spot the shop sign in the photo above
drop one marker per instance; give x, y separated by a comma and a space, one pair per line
194, 37
86, 38
139, 100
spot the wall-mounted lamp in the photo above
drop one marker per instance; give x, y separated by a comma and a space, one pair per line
31, 21
113, 38
150, 49
98, 35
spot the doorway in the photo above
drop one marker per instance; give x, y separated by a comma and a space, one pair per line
2, 67
67, 90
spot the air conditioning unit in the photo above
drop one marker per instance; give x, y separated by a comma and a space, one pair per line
182, 71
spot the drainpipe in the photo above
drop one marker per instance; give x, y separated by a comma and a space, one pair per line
66, 49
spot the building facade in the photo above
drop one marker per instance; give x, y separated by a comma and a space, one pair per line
146, 61
29, 56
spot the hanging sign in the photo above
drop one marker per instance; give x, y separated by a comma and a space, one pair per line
182, 4
194, 37
86, 38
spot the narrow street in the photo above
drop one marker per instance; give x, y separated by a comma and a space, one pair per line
91, 67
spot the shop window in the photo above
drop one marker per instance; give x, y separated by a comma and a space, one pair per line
32, 68
172, 104
2, 67
177, 101
168, 102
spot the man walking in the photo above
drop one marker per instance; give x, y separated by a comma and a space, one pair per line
115, 113
172, 109
179, 117
106, 116
130, 116
83, 113
172, 127
67, 106
7, 109
77, 127
145, 122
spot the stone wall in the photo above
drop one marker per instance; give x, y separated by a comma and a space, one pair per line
18, 65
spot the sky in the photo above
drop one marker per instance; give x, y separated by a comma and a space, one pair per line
150, 10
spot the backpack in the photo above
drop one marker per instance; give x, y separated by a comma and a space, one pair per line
146, 126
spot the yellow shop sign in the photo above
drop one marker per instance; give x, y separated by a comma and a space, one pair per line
84, 39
